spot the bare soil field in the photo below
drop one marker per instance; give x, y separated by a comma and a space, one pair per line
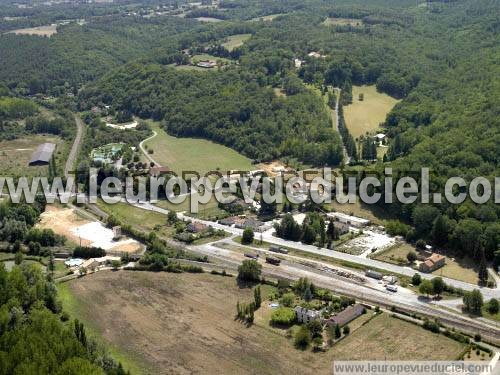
184, 324
66, 222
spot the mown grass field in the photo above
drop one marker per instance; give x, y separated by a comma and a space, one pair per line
184, 323
235, 41
366, 116
143, 220
16, 154
190, 154
385, 337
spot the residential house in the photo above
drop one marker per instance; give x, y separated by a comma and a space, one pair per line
254, 224
432, 263
158, 171
90, 264
207, 64
305, 316
196, 227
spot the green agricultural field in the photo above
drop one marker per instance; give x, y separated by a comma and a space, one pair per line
365, 116
16, 154
235, 41
189, 154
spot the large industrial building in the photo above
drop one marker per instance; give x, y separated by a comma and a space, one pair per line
43, 154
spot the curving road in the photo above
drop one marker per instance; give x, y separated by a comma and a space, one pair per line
148, 156
70, 163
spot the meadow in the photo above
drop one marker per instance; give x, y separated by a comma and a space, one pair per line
235, 41
16, 154
190, 154
367, 115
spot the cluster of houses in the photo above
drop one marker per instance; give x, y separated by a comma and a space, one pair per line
313, 54
342, 318
243, 222
92, 264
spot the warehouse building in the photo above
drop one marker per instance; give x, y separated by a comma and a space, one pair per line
43, 154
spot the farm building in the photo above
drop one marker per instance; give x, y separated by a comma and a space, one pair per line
347, 315
348, 219
43, 154
304, 315
432, 263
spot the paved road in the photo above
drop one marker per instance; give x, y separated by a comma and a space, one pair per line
367, 262
70, 163
148, 156
369, 292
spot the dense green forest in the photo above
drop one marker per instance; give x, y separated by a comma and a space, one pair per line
233, 107
440, 58
36, 336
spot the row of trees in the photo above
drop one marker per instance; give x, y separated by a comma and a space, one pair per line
312, 230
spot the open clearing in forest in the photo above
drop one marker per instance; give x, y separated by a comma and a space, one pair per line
184, 323
47, 30
367, 115
235, 41
192, 154
330, 21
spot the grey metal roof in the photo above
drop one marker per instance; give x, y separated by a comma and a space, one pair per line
43, 153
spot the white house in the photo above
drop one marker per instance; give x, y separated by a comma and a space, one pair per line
298, 63
380, 138
305, 316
